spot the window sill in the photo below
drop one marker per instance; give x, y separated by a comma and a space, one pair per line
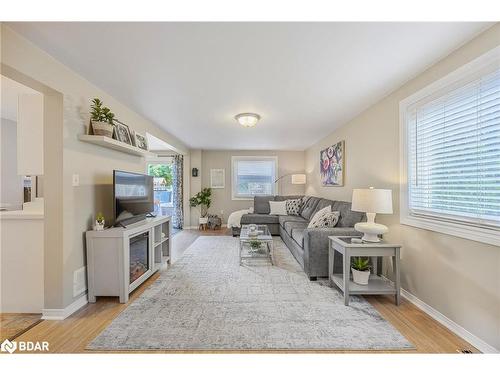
484, 235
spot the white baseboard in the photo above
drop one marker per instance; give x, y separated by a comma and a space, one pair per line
61, 314
450, 324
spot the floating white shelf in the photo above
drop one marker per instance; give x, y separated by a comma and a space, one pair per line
113, 144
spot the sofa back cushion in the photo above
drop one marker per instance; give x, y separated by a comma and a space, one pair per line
261, 204
309, 207
322, 204
347, 217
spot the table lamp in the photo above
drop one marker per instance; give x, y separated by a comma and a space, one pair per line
372, 201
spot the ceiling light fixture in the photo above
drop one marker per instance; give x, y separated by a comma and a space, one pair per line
248, 120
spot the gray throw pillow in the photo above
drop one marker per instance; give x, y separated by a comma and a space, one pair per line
293, 206
324, 219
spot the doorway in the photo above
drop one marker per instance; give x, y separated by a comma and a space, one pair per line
163, 176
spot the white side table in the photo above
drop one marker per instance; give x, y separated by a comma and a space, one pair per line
376, 283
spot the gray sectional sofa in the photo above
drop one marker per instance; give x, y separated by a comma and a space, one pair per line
308, 246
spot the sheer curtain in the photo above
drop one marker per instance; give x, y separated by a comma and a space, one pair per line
177, 187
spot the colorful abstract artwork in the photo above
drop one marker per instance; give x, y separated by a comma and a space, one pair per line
331, 165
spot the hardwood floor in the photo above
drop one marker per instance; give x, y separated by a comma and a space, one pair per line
13, 325
74, 333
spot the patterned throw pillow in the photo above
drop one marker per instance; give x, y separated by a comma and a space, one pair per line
324, 218
293, 206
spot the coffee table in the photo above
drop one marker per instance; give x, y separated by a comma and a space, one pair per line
264, 237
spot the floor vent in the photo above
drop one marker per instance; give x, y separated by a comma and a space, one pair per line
464, 351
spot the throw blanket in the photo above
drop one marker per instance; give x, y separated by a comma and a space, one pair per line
234, 220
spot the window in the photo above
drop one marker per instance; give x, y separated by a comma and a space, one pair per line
452, 154
253, 175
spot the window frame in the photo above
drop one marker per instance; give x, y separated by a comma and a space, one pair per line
234, 159
456, 79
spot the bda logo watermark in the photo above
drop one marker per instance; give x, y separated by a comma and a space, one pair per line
24, 346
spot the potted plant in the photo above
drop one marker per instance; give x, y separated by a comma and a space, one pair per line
102, 118
203, 199
256, 246
360, 268
99, 221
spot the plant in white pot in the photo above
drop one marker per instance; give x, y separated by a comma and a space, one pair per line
102, 119
360, 268
99, 222
203, 199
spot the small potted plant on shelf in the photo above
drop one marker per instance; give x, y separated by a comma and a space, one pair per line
360, 268
256, 246
101, 118
99, 222
203, 199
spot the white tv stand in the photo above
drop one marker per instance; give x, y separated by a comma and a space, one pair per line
109, 268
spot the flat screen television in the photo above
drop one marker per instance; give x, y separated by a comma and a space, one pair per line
133, 197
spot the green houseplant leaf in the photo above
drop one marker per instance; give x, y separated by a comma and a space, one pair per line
202, 199
360, 263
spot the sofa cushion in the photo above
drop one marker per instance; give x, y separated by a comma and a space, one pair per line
259, 219
298, 236
322, 204
309, 207
292, 218
293, 206
279, 198
324, 219
347, 217
261, 204
290, 226
278, 208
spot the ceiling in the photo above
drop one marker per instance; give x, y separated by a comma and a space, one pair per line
304, 79
10, 91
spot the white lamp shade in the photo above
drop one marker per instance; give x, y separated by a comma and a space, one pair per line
298, 179
378, 201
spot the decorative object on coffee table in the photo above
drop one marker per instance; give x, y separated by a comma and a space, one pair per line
372, 201
258, 246
376, 283
331, 165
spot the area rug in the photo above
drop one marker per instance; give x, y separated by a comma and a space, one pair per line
207, 301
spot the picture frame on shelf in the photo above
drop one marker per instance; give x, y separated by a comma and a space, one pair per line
141, 141
123, 132
132, 137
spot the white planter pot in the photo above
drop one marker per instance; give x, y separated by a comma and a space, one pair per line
98, 226
102, 128
360, 277
203, 220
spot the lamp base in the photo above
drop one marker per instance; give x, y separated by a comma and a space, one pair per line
371, 231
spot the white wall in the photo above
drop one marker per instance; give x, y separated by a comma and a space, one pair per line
93, 164
11, 185
457, 277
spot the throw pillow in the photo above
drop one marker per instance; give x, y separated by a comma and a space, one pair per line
293, 206
277, 208
324, 218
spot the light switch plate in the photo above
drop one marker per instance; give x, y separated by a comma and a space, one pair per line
76, 180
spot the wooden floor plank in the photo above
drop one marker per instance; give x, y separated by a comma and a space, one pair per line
73, 334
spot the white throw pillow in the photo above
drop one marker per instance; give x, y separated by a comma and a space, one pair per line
324, 218
277, 208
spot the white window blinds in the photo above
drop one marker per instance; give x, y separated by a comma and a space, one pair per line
253, 176
454, 153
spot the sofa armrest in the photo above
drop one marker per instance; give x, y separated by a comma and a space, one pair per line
316, 248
